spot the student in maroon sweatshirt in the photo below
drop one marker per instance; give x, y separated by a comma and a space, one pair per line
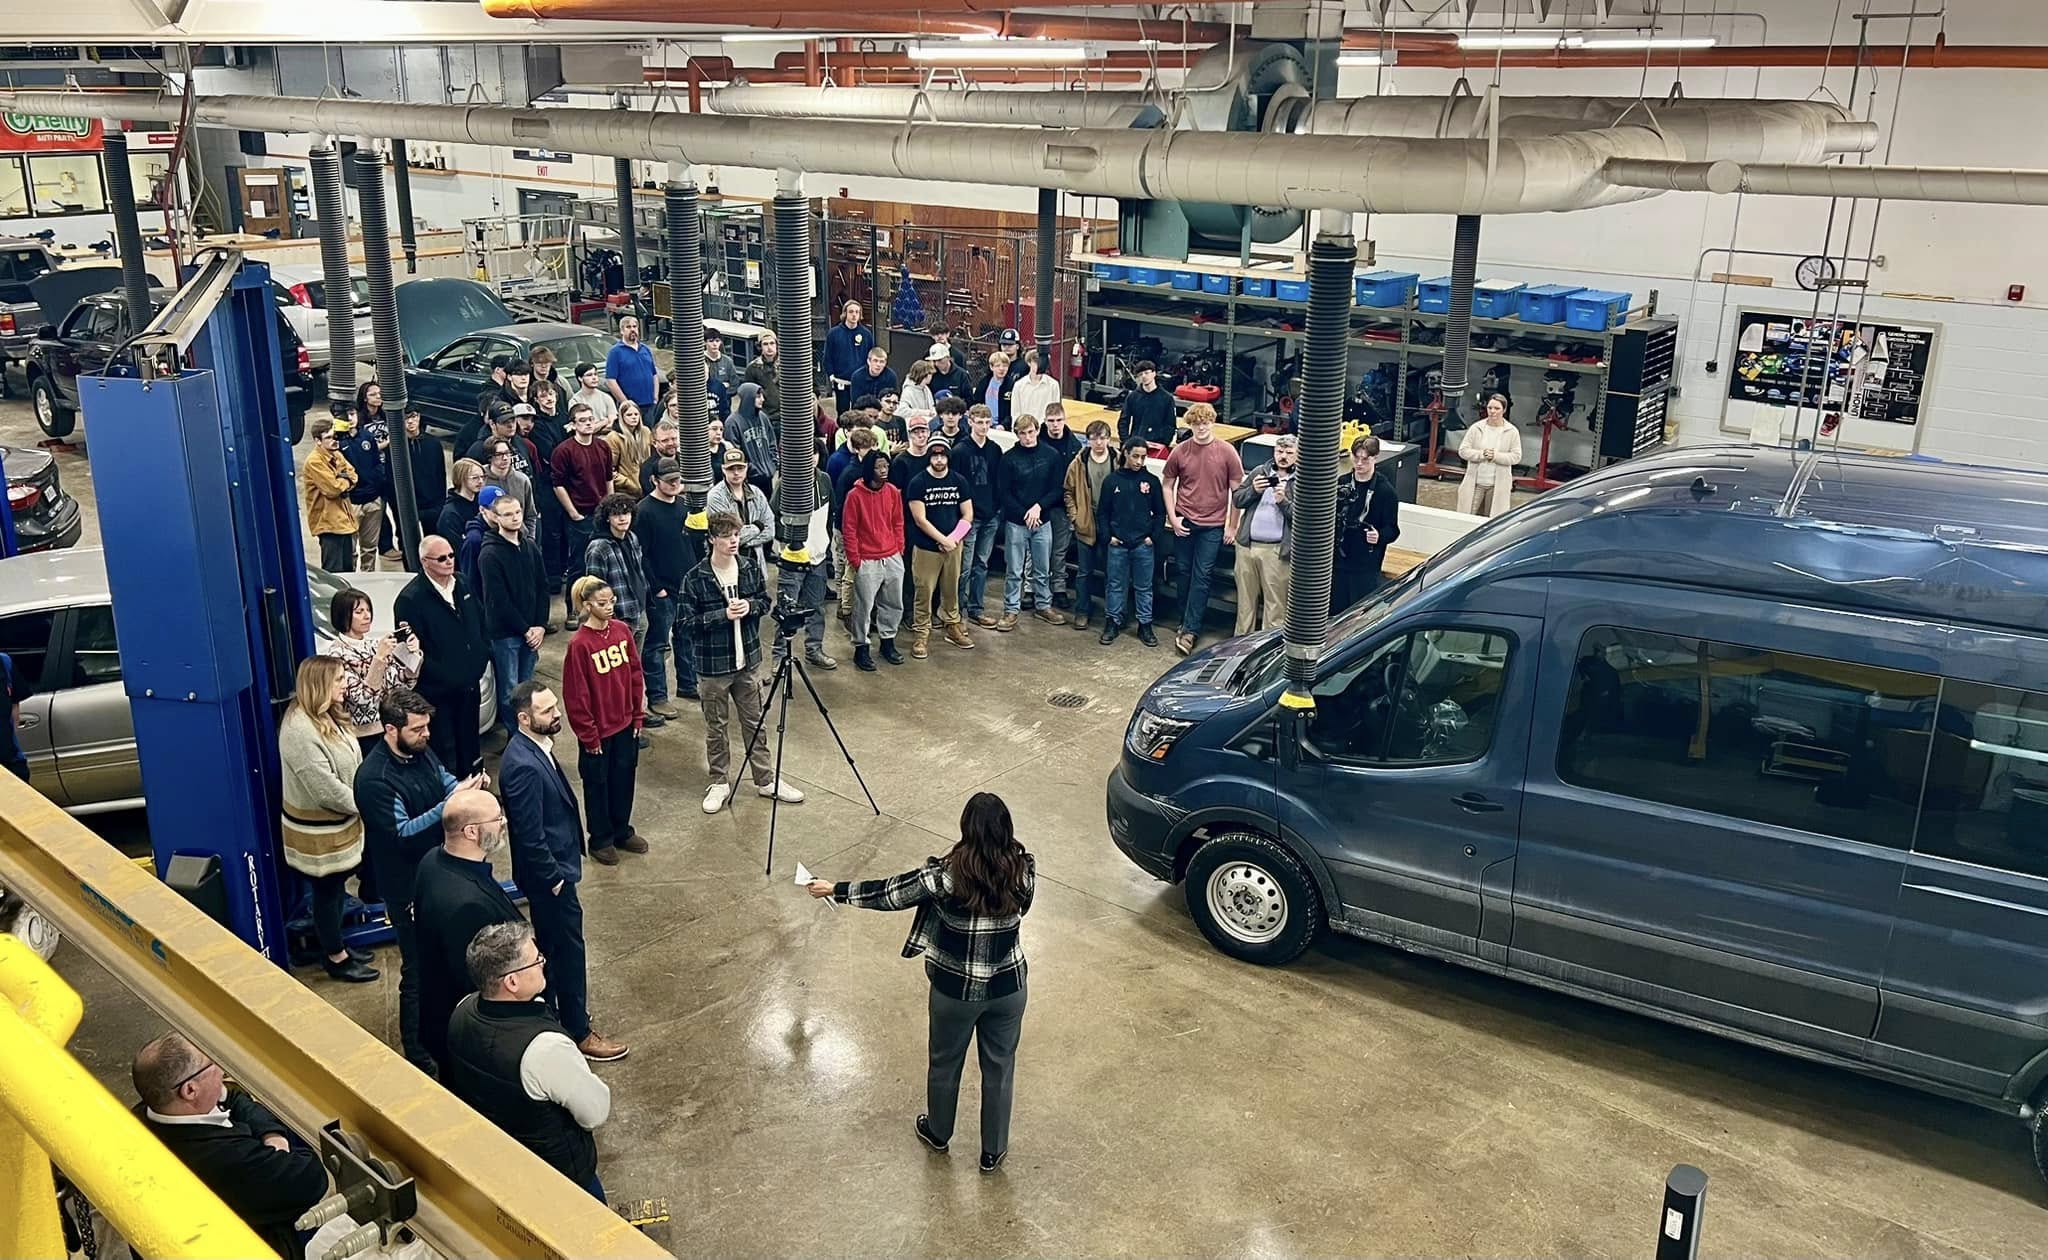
605, 699
580, 471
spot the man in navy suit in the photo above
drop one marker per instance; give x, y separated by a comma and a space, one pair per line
547, 858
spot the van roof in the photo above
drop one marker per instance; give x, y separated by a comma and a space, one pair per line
1921, 538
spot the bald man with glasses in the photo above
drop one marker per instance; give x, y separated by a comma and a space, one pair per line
448, 619
455, 896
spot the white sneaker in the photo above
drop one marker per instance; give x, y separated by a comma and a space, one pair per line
784, 792
715, 799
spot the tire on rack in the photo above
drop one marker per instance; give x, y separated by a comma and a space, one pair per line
52, 416
1253, 898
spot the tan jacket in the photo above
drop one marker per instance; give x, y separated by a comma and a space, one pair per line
1080, 503
629, 451
328, 477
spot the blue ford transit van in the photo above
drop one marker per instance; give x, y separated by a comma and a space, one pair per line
1750, 740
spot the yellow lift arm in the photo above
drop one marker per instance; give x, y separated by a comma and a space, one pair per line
479, 1192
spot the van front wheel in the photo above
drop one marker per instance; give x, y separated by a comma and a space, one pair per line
1252, 899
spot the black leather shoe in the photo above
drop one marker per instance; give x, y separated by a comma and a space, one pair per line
360, 955
863, 659
889, 652
652, 719
1110, 629
607, 856
924, 1135
992, 1161
1145, 635
350, 972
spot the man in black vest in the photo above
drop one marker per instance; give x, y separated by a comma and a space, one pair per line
231, 1143
510, 1059
456, 896
448, 617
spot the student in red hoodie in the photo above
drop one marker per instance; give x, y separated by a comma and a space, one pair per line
872, 525
606, 699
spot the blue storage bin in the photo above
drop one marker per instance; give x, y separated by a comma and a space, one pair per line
1254, 287
1188, 281
1434, 296
1385, 289
1111, 271
1216, 284
1496, 299
1544, 303
1147, 275
1596, 310
1291, 290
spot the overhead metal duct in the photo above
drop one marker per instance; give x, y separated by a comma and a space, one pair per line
969, 105
1984, 185
1750, 131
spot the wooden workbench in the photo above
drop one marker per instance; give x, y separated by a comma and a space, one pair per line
1081, 414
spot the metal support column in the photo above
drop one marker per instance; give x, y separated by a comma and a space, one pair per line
686, 337
401, 180
330, 207
1319, 424
796, 405
384, 328
1048, 251
1458, 329
127, 229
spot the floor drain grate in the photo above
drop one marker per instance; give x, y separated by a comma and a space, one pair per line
1066, 699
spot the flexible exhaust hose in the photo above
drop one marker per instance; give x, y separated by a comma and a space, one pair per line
796, 405
401, 181
629, 231
1319, 423
686, 339
1458, 330
127, 231
1048, 247
384, 328
331, 206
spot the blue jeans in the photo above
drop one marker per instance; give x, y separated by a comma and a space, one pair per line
1196, 555
1089, 559
1020, 542
596, 1188
976, 548
514, 663
666, 638
1129, 573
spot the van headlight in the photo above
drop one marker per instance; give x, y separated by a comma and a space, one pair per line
1151, 736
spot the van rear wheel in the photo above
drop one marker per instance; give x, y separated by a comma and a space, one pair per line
1253, 899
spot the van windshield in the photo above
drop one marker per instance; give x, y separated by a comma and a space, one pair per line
1266, 664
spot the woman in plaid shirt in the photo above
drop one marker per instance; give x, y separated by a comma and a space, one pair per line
969, 904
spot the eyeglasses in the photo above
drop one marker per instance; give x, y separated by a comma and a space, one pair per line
195, 1075
445, 557
539, 960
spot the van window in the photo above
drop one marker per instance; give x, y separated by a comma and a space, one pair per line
1987, 780
26, 638
95, 656
1774, 737
1425, 699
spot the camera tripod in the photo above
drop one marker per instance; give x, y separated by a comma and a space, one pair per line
789, 619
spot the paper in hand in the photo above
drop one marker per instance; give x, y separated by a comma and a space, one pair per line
803, 874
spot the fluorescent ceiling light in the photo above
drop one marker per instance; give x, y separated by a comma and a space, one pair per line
1000, 53
1366, 59
1509, 43
1650, 41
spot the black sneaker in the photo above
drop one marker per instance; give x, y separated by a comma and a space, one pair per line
924, 1135
863, 659
889, 652
991, 1162
653, 719
1145, 635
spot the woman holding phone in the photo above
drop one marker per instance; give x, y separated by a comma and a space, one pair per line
969, 906
370, 665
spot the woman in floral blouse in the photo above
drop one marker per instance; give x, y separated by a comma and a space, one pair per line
371, 665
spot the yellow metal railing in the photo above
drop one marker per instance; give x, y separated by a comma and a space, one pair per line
51, 1108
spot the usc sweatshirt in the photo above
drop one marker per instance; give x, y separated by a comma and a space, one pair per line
601, 682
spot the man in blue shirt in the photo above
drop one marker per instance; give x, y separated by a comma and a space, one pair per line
629, 368
846, 353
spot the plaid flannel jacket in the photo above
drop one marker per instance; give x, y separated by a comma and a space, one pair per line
703, 610
969, 957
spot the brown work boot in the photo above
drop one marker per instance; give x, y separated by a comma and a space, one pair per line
956, 634
918, 646
631, 842
1051, 616
599, 1048
1007, 624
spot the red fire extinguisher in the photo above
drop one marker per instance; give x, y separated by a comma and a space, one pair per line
1077, 360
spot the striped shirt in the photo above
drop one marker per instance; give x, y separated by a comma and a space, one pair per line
969, 957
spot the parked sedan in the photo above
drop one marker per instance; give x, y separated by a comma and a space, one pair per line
445, 383
57, 623
22, 259
301, 295
45, 518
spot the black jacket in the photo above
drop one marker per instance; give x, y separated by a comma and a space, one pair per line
1359, 507
979, 394
429, 476
1149, 415
515, 587
268, 1188
957, 381
1132, 508
456, 514
400, 803
979, 469
453, 900
453, 646
1030, 476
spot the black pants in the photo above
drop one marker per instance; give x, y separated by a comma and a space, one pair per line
608, 776
409, 983
329, 893
580, 533
454, 737
558, 931
1353, 580
338, 553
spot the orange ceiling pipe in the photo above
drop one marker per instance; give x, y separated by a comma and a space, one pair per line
671, 11
885, 77
1940, 55
1136, 59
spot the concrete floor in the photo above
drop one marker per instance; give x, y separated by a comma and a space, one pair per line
1170, 1101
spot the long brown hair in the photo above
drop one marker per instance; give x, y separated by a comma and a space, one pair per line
313, 692
987, 866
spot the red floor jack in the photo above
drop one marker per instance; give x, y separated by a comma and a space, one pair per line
1553, 418
1429, 467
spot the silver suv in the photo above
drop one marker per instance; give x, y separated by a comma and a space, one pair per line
57, 623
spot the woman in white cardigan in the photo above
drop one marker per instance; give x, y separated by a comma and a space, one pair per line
323, 835
1490, 449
